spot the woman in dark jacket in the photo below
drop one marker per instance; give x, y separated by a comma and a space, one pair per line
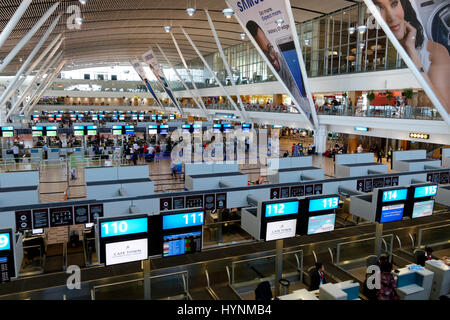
388, 283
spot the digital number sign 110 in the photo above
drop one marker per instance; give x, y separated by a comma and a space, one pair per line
123, 227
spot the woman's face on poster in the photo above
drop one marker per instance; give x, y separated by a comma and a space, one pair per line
392, 12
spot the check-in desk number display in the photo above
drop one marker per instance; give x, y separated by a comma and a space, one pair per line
421, 203
317, 214
391, 204
40, 219
210, 201
61, 216
123, 239
7, 264
278, 219
23, 220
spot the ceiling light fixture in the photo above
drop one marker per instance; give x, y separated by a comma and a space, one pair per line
228, 13
168, 28
191, 11
79, 20
243, 35
83, 2
351, 30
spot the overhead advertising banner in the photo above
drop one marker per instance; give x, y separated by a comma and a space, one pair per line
420, 31
269, 25
151, 60
141, 72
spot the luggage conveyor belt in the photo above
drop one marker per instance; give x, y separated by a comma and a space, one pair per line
214, 260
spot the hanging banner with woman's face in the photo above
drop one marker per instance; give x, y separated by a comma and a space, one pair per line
141, 72
420, 31
268, 25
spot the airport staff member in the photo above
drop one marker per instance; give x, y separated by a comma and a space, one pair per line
15, 150
317, 277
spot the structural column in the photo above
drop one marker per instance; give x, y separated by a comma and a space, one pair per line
320, 139
352, 143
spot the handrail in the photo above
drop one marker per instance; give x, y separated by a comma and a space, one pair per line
315, 256
412, 239
339, 245
234, 263
399, 242
331, 255
419, 241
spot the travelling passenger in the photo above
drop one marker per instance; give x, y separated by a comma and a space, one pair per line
317, 277
389, 154
388, 284
359, 149
432, 59
135, 156
45, 148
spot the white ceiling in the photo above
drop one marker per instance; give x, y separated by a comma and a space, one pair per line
117, 30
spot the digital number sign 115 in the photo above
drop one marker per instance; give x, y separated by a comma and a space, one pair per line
426, 191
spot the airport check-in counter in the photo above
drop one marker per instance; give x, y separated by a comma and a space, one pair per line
113, 182
441, 280
18, 188
414, 284
346, 290
301, 294
53, 153
288, 175
36, 154
412, 160
443, 195
11, 254
7, 154
357, 164
205, 176
78, 152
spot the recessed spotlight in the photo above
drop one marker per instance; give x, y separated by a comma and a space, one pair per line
83, 2
228, 12
191, 11
243, 35
168, 28
280, 22
351, 30
79, 20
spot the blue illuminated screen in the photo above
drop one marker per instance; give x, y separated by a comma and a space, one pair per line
281, 209
391, 213
323, 204
395, 195
426, 191
123, 227
183, 220
5, 243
